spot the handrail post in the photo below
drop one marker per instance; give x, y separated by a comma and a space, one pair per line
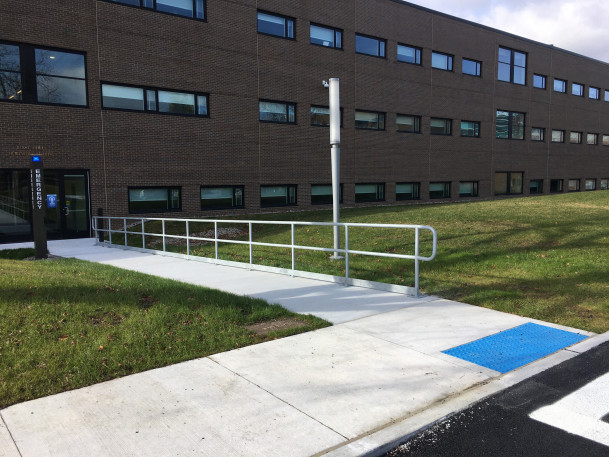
416, 261
94, 227
293, 250
346, 251
143, 235
187, 238
216, 238
250, 244
163, 224
124, 229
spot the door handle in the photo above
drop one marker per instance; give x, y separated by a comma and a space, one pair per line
66, 210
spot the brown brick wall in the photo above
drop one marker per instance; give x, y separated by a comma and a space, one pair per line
226, 57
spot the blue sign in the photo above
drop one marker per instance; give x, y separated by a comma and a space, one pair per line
35, 158
51, 201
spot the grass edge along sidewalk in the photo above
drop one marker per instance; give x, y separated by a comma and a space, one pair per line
66, 324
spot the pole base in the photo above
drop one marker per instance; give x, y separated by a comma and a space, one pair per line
336, 257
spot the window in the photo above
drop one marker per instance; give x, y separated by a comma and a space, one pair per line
277, 112
536, 186
369, 193
470, 128
538, 134
154, 199
40, 75
369, 120
577, 89
590, 184
468, 189
439, 190
508, 183
407, 191
575, 138
471, 67
510, 125
321, 194
604, 184
277, 195
326, 36
10, 73
187, 8
320, 116
594, 93
539, 81
558, 136
180, 103
592, 138
442, 61
556, 185
221, 197
512, 66
370, 46
275, 25
573, 185
60, 77
560, 85
409, 54
440, 126
605, 140
407, 123
607, 95
153, 100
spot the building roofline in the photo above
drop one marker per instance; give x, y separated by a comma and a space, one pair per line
492, 29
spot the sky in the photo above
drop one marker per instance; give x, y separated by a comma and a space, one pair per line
576, 25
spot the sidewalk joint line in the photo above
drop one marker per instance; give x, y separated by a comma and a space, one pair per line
10, 434
278, 398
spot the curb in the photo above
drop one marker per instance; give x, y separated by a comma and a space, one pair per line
379, 442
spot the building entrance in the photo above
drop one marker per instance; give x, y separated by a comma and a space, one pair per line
67, 204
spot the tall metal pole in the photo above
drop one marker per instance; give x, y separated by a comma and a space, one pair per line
335, 157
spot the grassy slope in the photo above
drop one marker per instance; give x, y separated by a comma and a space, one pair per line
66, 323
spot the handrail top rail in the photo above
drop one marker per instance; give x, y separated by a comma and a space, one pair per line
254, 221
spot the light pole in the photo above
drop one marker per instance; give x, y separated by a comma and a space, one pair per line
333, 85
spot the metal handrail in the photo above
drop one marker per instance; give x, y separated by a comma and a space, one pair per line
14, 206
99, 222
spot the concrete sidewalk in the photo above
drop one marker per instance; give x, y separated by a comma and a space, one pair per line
355, 388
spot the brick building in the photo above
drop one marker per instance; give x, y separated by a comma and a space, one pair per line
196, 108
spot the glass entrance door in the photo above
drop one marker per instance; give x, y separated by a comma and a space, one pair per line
67, 214
15, 195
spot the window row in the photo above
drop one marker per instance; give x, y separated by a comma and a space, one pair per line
285, 113
331, 37
577, 89
187, 8
512, 67
509, 124
511, 183
168, 199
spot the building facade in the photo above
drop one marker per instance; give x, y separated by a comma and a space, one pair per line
199, 108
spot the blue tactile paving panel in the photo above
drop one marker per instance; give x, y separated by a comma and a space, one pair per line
515, 347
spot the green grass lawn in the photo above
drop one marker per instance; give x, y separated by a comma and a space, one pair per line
66, 324
543, 257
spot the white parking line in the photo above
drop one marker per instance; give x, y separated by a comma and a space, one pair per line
580, 412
